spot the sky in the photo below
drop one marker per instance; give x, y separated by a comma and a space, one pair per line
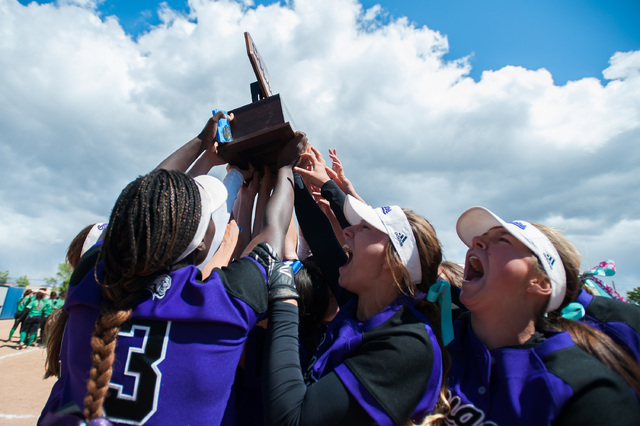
531, 109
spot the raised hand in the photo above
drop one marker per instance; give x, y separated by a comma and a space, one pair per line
316, 171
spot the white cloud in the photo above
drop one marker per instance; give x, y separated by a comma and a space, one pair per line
86, 109
623, 65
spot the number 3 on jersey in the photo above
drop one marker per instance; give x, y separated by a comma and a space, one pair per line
133, 393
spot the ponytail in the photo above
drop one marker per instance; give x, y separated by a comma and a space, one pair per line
591, 340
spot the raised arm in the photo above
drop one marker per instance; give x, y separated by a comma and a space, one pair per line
279, 209
243, 210
185, 156
318, 233
266, 186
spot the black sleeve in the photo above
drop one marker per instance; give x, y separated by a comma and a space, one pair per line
601, 396
243, 280
401, 354
320, 237
287, 400
611, 310
332, 193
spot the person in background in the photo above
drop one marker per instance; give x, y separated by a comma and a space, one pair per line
32, 321
515, 359
452, 272
21, 313
46, 312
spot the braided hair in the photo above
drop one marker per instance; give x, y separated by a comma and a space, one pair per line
152, 223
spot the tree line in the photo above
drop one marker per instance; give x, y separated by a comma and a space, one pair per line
59, 282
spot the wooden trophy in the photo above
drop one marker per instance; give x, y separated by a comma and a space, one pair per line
258, 129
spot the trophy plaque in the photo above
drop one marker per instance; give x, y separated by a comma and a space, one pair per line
260, 128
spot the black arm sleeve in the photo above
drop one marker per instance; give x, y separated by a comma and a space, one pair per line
601, 396
332, 192
287, 400
318, 233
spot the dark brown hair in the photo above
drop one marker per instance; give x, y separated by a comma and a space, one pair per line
57, 321
74, 251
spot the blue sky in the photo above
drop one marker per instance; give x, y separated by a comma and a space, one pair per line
572, 39
531, 109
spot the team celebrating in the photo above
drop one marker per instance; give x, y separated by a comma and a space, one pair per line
280, 297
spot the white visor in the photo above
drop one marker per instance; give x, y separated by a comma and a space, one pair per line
213, 194
392, 221
92, 237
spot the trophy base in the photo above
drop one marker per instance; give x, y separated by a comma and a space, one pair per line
259, 130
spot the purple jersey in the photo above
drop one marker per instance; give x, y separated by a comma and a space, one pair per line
617, 319
546, 380
177, 356
391, 363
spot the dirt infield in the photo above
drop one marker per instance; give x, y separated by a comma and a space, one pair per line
23, 392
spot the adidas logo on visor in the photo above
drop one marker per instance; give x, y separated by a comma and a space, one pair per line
550, 260
385, 210
401, 238
519, 225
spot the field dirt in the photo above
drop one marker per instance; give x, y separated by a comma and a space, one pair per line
23, 391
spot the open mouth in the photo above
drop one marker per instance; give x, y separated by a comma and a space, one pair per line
474, 269
348, 252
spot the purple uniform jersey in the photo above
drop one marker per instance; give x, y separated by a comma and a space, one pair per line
391, 363
177, 356
548, 380
619, 320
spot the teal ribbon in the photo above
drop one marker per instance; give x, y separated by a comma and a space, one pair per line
573, 311
589, 282
604, 269
441, 292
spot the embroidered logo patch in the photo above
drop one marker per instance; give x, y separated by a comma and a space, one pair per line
401, 238
386, 209
519, 225
160, 286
